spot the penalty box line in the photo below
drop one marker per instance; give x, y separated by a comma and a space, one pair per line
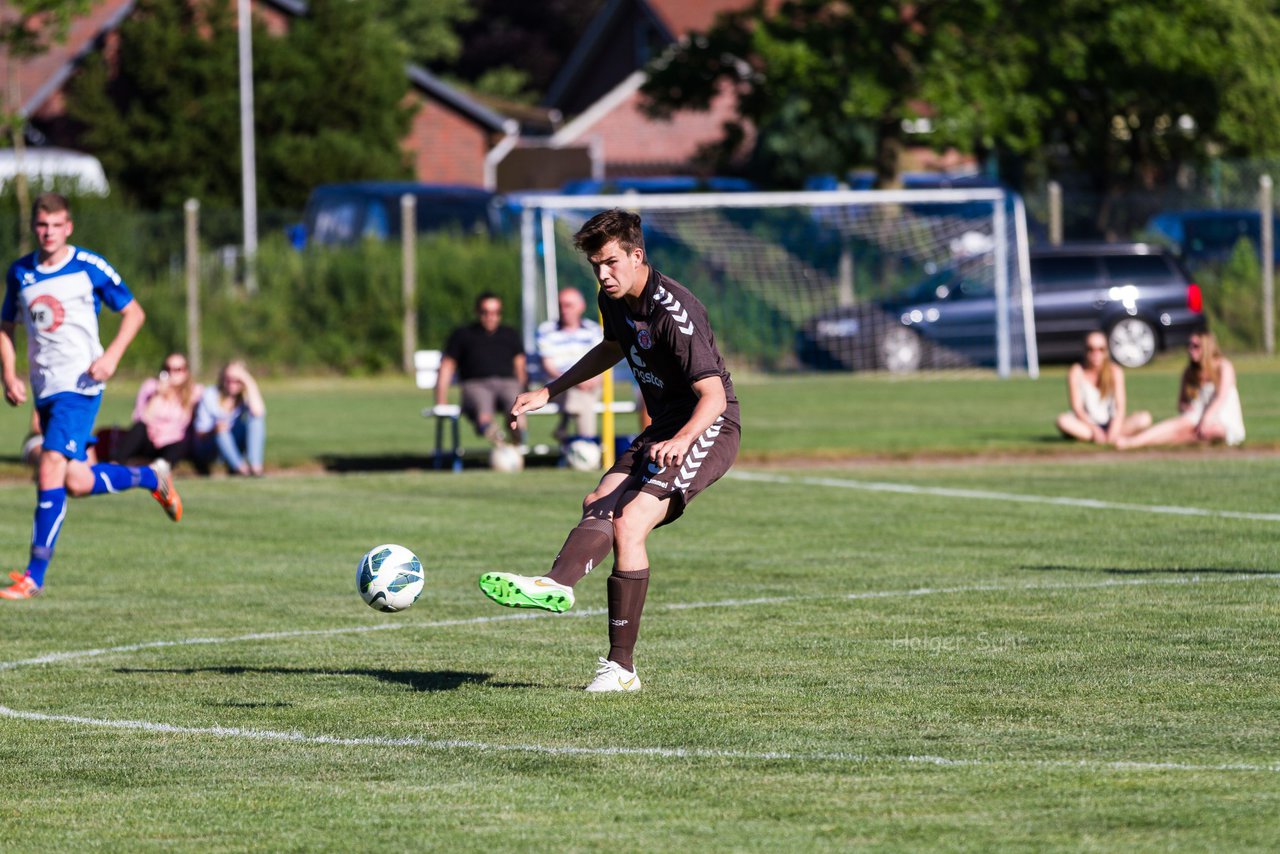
986, 495
247, 734
74, 655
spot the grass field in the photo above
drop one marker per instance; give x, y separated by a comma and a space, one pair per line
960, 642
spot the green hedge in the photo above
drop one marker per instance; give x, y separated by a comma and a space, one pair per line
319, 310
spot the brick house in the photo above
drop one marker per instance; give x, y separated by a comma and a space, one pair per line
453, 136
600, 86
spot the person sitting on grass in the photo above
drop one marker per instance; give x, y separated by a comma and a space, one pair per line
1208, 402
162, 415
231, 423
1095, 391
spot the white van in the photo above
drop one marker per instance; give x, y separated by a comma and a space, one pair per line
50, 165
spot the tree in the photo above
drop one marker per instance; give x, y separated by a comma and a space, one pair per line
427, 32
1132, 91
332, 102
29, 29
828, 84
328, 104
514, 48
165, 125
1127, 90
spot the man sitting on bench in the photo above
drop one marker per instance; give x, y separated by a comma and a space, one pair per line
561, 343
488, 358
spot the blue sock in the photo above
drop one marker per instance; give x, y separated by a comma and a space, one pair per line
109, 477
51, 509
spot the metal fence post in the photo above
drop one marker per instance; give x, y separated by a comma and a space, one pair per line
191, 221
1268, 266
1055, 213
409, 275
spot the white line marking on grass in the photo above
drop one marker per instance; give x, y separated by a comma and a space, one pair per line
658, 752
952, 492
55, 657
72, 655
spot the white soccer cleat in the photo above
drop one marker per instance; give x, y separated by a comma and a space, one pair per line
612, 676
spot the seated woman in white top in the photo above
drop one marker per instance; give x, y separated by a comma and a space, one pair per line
1208, 402
1095, 389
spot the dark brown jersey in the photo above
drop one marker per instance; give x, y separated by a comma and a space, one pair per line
669, 346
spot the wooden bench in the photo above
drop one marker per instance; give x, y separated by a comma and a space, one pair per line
448, 448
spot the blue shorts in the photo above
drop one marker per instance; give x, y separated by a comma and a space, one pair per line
66, 419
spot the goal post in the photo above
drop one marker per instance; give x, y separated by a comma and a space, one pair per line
894, 280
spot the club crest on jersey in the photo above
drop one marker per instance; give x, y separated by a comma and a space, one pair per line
644, 339
47, 313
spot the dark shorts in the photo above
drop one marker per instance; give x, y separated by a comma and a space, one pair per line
707, 461
488, 396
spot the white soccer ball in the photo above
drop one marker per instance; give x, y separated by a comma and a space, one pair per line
582, 455
506, 458
389, 578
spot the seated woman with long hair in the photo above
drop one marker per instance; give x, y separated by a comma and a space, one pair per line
231, 423
1096, 393
161, 416
1208, 402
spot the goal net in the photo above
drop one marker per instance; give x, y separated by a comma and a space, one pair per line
898, 281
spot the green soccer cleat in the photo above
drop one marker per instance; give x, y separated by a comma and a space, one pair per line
524, 591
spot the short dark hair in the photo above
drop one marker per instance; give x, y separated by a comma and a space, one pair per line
50, 203
485, 297
617, 224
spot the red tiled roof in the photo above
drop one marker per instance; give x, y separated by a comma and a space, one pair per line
39, 77
685, 16
632, 139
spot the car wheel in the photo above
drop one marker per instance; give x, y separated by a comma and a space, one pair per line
1132, 342
900, 351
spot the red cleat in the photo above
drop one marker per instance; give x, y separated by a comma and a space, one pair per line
24, 589
165, 493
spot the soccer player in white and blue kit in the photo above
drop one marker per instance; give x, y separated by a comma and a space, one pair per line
57, 292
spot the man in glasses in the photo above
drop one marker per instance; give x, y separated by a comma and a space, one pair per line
488, 358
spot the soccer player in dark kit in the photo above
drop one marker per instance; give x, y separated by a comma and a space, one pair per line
661, 329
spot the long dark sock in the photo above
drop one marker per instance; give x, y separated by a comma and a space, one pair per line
587, 545
626, 600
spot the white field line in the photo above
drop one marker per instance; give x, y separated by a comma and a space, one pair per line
658, 752
72, 655
984, 495
244, 734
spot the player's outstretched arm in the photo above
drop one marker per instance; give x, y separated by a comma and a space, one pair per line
15, 390
132, 317
597, 360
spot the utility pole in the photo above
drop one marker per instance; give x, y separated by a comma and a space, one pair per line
248, 167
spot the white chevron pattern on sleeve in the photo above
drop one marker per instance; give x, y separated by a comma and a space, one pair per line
673, 307
697, 453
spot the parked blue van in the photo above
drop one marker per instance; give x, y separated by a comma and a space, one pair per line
342, 214
1208, 235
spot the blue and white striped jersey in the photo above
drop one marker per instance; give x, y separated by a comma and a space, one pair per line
59, 305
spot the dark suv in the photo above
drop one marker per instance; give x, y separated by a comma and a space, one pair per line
1138, 294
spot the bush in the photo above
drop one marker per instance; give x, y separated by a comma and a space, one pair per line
323, 310
1233, 299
